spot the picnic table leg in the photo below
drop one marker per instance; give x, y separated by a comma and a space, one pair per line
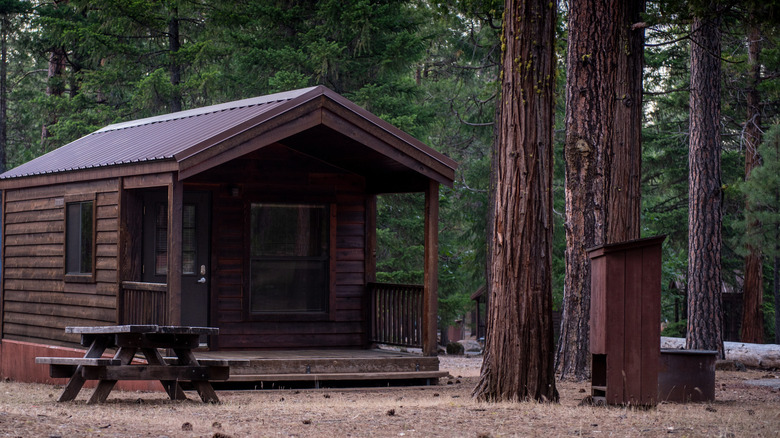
172, 387
204, 388
76, 382
124, 354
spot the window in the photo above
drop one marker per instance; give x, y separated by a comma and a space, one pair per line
189, 241
79, 238
289, 258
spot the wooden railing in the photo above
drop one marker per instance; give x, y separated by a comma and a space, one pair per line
396, 314
143, 303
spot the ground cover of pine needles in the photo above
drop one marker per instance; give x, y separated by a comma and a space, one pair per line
445, 410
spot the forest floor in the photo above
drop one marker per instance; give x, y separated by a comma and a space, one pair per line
446, 410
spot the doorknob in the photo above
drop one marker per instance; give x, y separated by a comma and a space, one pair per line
202, 280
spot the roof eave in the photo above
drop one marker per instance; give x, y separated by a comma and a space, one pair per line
304, 112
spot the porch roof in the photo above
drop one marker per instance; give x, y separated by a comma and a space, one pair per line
316, 121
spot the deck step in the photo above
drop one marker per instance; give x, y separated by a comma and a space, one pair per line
288, 377
333, 366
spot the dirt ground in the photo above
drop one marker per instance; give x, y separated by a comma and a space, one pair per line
446, 410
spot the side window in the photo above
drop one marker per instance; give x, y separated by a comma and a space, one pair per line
80, 238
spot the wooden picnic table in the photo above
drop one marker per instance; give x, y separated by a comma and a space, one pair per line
128, 340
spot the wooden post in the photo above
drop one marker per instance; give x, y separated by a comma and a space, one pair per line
370, 269
431, 273
122, 259
175, 201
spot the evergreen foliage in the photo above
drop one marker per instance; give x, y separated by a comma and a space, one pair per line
428, 67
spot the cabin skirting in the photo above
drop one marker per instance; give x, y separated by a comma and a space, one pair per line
17, 363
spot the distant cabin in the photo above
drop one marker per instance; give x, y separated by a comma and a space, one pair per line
256, 216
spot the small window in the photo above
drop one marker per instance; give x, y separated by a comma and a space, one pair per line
189, 250
80, 238
289, 258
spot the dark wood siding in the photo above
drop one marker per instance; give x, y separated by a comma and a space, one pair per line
275, 179
37, 302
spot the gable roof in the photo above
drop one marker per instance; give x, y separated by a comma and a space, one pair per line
202, 138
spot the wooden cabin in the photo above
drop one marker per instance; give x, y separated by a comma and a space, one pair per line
256, 216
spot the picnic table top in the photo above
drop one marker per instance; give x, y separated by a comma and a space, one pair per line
145, 329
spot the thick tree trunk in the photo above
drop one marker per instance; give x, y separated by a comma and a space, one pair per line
753, 289
603, 154
624, 191
705, 319
518, 361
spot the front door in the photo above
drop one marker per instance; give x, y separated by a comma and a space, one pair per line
195, 251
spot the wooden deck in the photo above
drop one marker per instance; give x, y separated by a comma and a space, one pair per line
315, 366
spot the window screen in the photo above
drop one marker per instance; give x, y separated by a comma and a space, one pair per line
289, 258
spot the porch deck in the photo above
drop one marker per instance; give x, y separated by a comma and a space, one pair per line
317, 366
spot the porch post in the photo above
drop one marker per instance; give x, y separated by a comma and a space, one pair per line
431, 270
175, 201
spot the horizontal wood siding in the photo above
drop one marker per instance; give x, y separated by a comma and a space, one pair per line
37, 303
274, 178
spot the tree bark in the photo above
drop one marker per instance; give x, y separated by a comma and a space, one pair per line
753, 288
624, 192
776, 274
3, 90
55, 84
174, 44
602, 153
519, 351
705, 319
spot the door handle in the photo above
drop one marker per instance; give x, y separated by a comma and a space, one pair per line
202, 280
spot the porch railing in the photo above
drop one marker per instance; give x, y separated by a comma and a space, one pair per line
396, 314
143, 303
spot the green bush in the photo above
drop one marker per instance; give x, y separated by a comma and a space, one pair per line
455, 348
675, 329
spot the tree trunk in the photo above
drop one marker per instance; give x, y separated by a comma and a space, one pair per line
705, 320
174, 67
776, 273
753, 289
602, 153
55, 86
3, 90
518, 362
624, 192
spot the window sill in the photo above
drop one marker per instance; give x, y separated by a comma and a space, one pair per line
281, 316
79, 278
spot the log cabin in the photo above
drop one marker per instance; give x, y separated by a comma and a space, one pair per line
257, 217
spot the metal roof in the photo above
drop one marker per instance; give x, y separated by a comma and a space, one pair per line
176, 136
153, 138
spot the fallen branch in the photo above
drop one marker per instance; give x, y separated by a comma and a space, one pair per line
753, 355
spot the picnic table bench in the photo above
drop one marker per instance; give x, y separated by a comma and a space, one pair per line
128, 340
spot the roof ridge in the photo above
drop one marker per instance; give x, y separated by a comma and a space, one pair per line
210, 109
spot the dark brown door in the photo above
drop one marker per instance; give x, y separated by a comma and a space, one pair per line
195, 251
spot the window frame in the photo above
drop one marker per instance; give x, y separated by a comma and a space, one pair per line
327, 315
80, 277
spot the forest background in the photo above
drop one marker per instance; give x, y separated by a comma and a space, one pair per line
431, 68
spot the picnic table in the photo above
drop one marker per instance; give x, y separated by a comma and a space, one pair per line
129, 340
